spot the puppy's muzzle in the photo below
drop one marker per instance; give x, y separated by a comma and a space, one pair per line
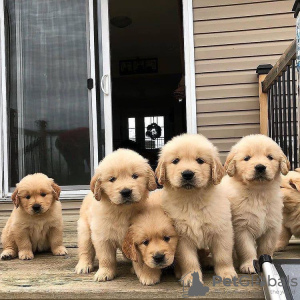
126, 195
260, 172
159, 258
260, 169
36, 208
187, 175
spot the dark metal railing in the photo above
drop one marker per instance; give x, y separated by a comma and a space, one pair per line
280, 86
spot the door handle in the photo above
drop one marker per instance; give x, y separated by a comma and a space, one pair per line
105, 84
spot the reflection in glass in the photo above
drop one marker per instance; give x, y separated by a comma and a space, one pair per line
48, 97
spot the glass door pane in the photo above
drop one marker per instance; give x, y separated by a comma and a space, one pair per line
48, 99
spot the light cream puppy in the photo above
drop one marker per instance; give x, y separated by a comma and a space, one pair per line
151, 241
35, 223
190, 170
290, 188
253, 188
119, 189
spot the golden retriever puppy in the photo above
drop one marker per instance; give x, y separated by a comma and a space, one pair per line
151, 241
253, 188
190, 170
290, 188
35, 223
119, 189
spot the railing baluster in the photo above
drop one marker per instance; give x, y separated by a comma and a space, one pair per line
284, 113
290, 149
276, 113
280, 111
272, 113
295, 139
269, 112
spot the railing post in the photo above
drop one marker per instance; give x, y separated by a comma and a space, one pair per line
262, 71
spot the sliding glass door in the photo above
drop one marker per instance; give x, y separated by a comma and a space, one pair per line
51, 97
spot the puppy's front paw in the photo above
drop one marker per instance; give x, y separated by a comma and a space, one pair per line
149, 280
187, 280
226, 273
60, 251
8, 254
247, 268
104, 274
26, 255
83, 267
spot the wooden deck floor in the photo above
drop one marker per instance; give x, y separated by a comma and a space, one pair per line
52, 277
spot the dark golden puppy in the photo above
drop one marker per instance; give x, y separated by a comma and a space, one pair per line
36, 222
151, 241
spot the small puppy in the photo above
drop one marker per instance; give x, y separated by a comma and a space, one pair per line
290, 188
253, 188
35, 223
151, 241
190, 170
119, 189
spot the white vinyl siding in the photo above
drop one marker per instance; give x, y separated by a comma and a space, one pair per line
233, 37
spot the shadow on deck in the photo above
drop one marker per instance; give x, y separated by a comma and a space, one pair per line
52, 277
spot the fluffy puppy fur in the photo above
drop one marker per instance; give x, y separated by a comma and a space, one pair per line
190, 170
119, 189
253, 188
290, 188
35, 223
151, 241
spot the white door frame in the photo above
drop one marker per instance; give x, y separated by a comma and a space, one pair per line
4, 157
189, 59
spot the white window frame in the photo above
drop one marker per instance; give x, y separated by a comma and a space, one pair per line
69, 192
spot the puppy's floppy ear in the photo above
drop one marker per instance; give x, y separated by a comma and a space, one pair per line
128, 246
151, 179
297, 170
284, 164
230, 164
56, 190
217, 170
96, 186
295, 184
15, 197
160, 172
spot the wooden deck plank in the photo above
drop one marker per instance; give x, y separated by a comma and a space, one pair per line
52, 277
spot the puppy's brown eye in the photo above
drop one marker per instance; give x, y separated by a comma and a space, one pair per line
247, 158
175, 161
112, 179
135, 176
270, 157
43, 194
27, 197
145, 242
200, 161
167, 238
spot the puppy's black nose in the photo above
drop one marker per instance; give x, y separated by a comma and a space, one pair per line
187, 174
36, 207
126, 193
260, 168
159, 258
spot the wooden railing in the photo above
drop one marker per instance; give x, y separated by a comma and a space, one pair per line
278, 103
